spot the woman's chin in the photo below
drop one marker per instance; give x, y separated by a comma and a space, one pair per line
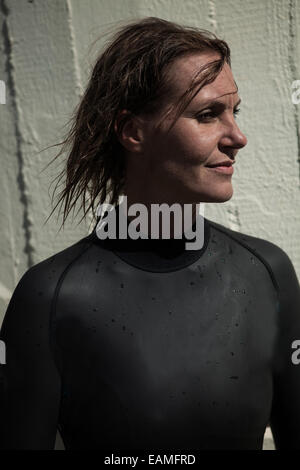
220, 195
223, 197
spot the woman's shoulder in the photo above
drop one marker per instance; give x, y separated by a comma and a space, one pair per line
43, 278
272, 255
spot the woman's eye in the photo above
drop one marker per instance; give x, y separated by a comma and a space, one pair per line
209, 115
205, 116
236, 111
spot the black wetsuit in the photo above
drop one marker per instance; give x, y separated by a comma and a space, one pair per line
144, 345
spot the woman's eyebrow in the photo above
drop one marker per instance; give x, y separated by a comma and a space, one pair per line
217, 104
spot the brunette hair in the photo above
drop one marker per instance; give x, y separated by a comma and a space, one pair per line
131, 73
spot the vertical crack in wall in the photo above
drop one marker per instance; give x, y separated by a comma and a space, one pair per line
234, 222
291, 59
78, 80
77, 73
212, 17
21, 178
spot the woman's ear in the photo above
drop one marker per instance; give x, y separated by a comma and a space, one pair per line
129, 130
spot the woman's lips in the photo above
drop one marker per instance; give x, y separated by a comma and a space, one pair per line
227, 170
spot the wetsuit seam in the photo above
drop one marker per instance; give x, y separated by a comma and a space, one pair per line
53, 317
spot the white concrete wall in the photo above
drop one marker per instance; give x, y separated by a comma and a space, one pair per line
44, 62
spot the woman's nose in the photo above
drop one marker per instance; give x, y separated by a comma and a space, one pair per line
233, 136
242, 138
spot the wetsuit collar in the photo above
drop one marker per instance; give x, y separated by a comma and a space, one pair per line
155, 255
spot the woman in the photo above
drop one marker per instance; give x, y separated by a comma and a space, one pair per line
143, 344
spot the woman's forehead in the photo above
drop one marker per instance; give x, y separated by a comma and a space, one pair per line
224, 85
185, 69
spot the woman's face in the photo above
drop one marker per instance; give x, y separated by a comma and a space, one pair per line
178, 163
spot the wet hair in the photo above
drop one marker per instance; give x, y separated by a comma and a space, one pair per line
130, 73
